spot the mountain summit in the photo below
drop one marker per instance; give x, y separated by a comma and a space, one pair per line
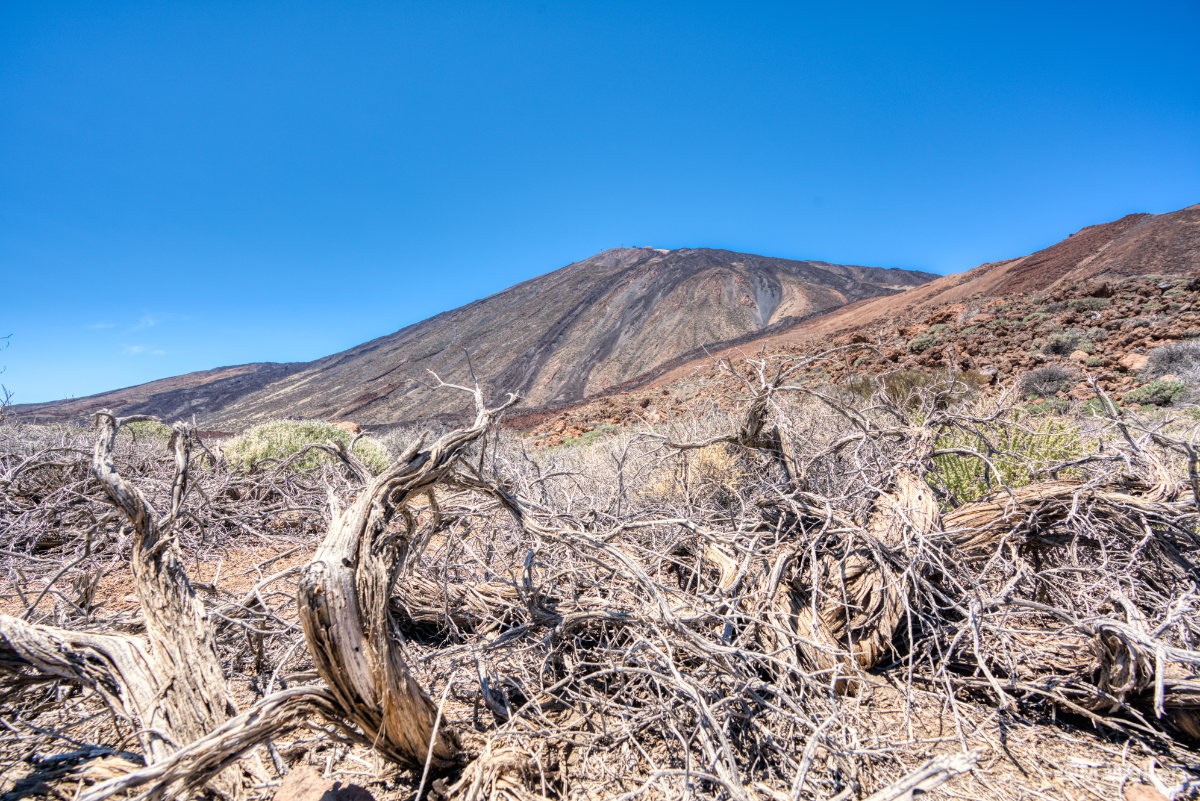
611, 319
575, 332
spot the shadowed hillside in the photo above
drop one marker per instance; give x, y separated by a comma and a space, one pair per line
179, 397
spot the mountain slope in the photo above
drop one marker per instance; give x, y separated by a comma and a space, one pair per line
177, 398
1136, 278
1135, 245
579, 331
567, 335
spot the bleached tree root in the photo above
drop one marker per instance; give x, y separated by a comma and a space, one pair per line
857, 599
192, 766
116, 666
172, 688
345, 612
760, 611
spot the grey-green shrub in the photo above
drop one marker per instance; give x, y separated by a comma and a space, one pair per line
1022, 448
281, 439
1065, 343
590, 437
1060, 344
921, 343
1159, 392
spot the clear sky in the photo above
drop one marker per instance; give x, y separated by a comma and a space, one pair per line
188, 185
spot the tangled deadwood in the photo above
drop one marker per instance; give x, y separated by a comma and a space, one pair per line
1075, 587
172, 686
806, 615
854, 598
345, 610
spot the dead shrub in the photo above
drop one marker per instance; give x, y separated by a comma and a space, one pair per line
1048, 381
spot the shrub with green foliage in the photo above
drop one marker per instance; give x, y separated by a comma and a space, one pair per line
1045, 406
282, 439
1095, 407
147, 431
904, 388
1088, 304
1016, 449
590, 437
1159, 392
1060, 344
922, 343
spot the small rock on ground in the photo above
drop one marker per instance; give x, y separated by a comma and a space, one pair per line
304, 783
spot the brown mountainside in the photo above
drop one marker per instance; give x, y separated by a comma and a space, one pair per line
998, 316
616, 317
1135, 245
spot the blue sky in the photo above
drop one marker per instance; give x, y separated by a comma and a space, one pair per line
187, 185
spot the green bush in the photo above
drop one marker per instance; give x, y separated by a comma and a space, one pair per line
1095, 407
1159, 392
591, 436
922, 343
1060, 344
909, 388
1019, 450
1067, 342
147, 431
1047, 406
281, 439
